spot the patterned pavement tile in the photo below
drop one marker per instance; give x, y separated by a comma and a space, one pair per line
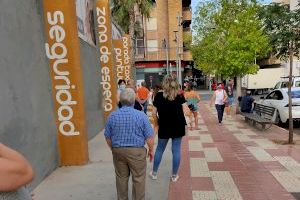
225, 186
290, 164
260, 154
204, 195
199, 167
287, 180
265, 143
193, 133
247, 132
212, 155
203, 128
232, 128
242, 137
195, 145
206, 138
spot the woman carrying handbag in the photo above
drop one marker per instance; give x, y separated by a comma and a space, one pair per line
219, 98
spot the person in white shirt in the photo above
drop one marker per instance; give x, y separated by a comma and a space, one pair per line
219, 98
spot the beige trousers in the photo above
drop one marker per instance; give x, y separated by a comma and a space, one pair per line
130, 160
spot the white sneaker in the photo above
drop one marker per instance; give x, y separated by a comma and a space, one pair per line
153, 176
174, 178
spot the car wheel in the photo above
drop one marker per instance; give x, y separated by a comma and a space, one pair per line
279, 122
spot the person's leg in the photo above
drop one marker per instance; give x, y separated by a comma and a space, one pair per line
138, 165
145, 107
176, 152
122, 173
222, 111
196, 120
161, 146
218, 108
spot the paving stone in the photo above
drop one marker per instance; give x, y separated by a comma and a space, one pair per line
206, 138
232, 128
247, 132
195, 145
193, 133
212, 155
242, 137
260, 154
203, 128
199, 167
287, 180
225, 186
290, 164
204, 195
265, 143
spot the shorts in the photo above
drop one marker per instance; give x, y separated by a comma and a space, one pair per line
230, 101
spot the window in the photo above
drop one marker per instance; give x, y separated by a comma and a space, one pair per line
152, 45
277, 86
297, 84
285, 84
140, 46
151, 24
276, 95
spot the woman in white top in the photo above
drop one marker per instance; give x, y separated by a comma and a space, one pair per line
219, 98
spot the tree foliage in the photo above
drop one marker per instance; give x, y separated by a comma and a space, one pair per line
121, 13
283, 28
229, 37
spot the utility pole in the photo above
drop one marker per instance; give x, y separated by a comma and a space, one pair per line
165, 46
177, 64
179, 18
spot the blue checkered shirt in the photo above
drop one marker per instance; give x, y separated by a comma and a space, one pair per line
127, 127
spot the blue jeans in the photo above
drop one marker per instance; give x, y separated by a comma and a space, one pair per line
220, 110
161, 146
145, 105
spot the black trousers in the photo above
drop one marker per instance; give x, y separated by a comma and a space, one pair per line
220, 110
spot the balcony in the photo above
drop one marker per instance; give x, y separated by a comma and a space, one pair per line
186, 14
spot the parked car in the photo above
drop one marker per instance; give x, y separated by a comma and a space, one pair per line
285, 82
279, 100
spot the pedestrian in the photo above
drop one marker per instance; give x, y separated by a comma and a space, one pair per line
143, 95
193, 99
229, 91
121, 87
247, 102
15, 173
126, 132
219, 98
168, 104
131, 84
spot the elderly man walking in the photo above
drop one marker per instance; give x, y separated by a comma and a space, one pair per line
126, 132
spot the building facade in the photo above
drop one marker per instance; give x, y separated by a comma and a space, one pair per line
162, 40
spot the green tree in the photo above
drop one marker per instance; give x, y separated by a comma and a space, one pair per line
229, 38
123, 12
283, 27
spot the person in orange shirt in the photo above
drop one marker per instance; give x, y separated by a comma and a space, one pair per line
143, 95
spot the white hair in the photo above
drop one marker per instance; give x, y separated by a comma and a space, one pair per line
127, 97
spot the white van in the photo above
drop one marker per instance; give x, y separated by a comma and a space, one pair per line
285, 80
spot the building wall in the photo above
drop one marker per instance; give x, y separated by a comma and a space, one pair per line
27, 120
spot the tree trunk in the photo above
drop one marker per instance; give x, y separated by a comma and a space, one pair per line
291, 126
238, 92
132, 43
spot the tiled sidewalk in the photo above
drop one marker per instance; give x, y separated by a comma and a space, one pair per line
235, 161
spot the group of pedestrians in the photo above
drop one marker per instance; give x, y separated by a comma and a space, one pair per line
127, 130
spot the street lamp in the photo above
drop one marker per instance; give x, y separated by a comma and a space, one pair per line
165, 46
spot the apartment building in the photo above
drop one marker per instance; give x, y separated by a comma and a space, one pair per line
170, 20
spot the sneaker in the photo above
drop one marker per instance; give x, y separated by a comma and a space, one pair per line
153, 175
174, 178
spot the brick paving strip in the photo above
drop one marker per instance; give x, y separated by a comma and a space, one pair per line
235, 161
